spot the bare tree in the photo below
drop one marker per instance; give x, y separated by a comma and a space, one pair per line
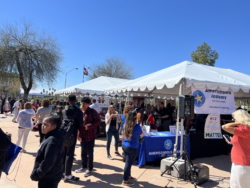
112, 67
32, 53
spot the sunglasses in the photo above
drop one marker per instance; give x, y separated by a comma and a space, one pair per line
112, 107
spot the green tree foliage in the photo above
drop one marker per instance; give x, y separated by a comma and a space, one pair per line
204, 55
33, 54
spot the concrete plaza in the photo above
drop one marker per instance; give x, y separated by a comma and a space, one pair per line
108, 173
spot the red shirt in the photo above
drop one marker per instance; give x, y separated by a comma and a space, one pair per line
34, 107
151, 119
241, 146
92, 120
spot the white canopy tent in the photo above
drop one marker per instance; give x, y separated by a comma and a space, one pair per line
92, 87
170, 82
166, 82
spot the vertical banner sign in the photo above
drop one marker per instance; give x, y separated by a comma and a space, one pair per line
212, 127
208, 101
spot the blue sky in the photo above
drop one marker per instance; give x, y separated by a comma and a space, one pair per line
149, 34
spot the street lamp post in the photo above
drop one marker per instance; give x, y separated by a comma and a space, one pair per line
66, 76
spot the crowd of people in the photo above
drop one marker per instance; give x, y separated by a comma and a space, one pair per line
60, 124
55, 154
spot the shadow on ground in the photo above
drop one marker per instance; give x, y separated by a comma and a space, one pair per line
77, 165
108, 181
31, 153
214, 181
222, 162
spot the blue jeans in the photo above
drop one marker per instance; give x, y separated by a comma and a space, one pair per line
112, 132
130, 154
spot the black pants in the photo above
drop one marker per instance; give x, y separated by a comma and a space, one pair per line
166, 125
1, 109
11, 109
68, 158
87, 153
40, 133
53, 183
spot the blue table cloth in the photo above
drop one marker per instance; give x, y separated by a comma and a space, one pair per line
156, 144
12, 154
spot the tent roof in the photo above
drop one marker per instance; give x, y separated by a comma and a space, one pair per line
95, 86
166, 82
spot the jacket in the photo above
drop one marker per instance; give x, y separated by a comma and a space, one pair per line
92, 121
5, 142
12, 102
49, 158
108, 125
25, 118
78, 121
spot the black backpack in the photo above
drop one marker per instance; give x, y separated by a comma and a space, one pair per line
68, 127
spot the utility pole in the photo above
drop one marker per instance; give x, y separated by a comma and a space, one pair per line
66, 76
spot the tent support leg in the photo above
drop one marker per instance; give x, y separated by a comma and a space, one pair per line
127, 102
177, 123
120, 105
182, 120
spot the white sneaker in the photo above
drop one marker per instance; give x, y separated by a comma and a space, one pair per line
81, 170
87, 173
109, 157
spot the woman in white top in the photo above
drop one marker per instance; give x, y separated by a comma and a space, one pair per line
112, 120
16, 110
25, 123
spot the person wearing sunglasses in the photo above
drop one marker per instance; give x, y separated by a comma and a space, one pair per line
112, 119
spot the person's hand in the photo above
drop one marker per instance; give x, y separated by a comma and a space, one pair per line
86, 127
8, 134
79, 138
227, 140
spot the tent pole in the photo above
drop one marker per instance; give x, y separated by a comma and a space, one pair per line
127, 98
177, 122
148, 99
182, 120
120, 105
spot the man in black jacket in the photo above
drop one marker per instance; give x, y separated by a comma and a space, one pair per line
72, 110
3, 102
12, 102
48, 168
5, 142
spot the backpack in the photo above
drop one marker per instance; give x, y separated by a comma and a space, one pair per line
68, 127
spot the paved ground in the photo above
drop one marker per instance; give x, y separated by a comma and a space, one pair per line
109, 173
8, 184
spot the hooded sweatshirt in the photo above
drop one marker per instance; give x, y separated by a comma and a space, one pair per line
49, 158
78, 121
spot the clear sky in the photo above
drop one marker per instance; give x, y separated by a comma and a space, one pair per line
150, 34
